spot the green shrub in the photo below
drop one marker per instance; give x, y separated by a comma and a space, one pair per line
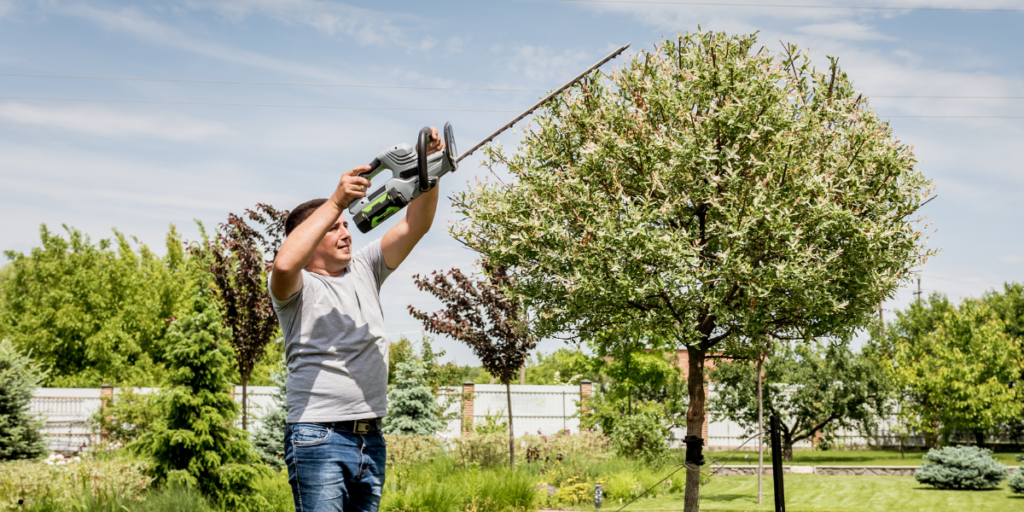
57, 483
20, 436
126, 417
483, 450
587, 445
405, 451
961, 467
1017, 481
194, 442
640, 436
412, 409
268, 441
492, 423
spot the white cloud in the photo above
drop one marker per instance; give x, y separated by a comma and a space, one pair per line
109, 123
844, 30
133, 22
542, 64
365, 26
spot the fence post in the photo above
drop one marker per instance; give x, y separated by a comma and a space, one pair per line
467, 407
106, 396
586, 391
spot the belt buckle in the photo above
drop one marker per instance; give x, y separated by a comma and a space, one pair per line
361, 427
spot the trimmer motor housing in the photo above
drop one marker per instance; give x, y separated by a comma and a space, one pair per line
412, 173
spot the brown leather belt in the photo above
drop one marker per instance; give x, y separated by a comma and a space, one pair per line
354, 426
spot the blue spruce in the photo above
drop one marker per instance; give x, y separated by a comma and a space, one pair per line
412, 408
961, 467
20, 436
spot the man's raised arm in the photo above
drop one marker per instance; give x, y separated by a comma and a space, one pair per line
398, 242
298, 247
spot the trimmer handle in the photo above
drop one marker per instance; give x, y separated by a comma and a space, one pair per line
413, 172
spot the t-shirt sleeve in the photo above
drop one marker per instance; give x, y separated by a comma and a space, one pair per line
373, 256
281, 304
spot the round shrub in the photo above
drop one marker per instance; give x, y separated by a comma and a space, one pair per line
961, 467
1017, 481
640, 436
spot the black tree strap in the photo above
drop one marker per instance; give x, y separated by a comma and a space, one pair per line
694, 447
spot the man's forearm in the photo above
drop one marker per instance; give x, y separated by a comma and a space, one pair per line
298, 247
399, 241
421, 211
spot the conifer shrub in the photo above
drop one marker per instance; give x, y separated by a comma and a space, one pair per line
194, 442
1017, 481
961, 467
412, 409
269, 438
20, 435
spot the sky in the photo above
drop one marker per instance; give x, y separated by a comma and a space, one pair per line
328, 85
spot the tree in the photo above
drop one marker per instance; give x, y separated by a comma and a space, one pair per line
195, 443
240, 271
20, 436
269, 439
707, 194
635, 382
412, 407
94, 313
956, 368
481, 315
812, 389
564, 366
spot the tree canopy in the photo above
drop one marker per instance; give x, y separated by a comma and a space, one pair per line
957, 368
813, 389
94, 313
708, 193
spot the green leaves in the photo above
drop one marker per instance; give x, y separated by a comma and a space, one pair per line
94, 313
958, 368
703, 189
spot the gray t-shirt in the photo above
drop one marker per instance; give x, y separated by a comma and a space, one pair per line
334, 343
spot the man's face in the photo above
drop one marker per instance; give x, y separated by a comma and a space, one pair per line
335, 249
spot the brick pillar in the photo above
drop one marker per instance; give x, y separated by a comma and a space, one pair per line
467, 407
586, 391
106, 396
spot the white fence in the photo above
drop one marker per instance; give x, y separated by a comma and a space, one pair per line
545, 409
67, 413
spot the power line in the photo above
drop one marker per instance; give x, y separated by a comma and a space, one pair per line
795, 6
291, 84
378, 86
347, 107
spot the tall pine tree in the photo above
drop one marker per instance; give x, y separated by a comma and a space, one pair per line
195, 443
20, 436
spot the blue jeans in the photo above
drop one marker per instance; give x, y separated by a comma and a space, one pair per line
334, 470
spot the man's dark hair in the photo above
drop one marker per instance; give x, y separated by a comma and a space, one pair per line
300, 214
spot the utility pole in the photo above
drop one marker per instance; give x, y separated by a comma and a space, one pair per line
918, 292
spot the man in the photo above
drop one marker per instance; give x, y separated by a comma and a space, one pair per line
327, 300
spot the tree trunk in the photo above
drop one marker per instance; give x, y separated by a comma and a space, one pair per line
787, 449
511, 435
760, 434
694, 423
245, 390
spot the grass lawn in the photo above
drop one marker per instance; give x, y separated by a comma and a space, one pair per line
836, 494
848, 458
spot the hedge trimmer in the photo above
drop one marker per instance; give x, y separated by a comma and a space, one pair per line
413, 171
